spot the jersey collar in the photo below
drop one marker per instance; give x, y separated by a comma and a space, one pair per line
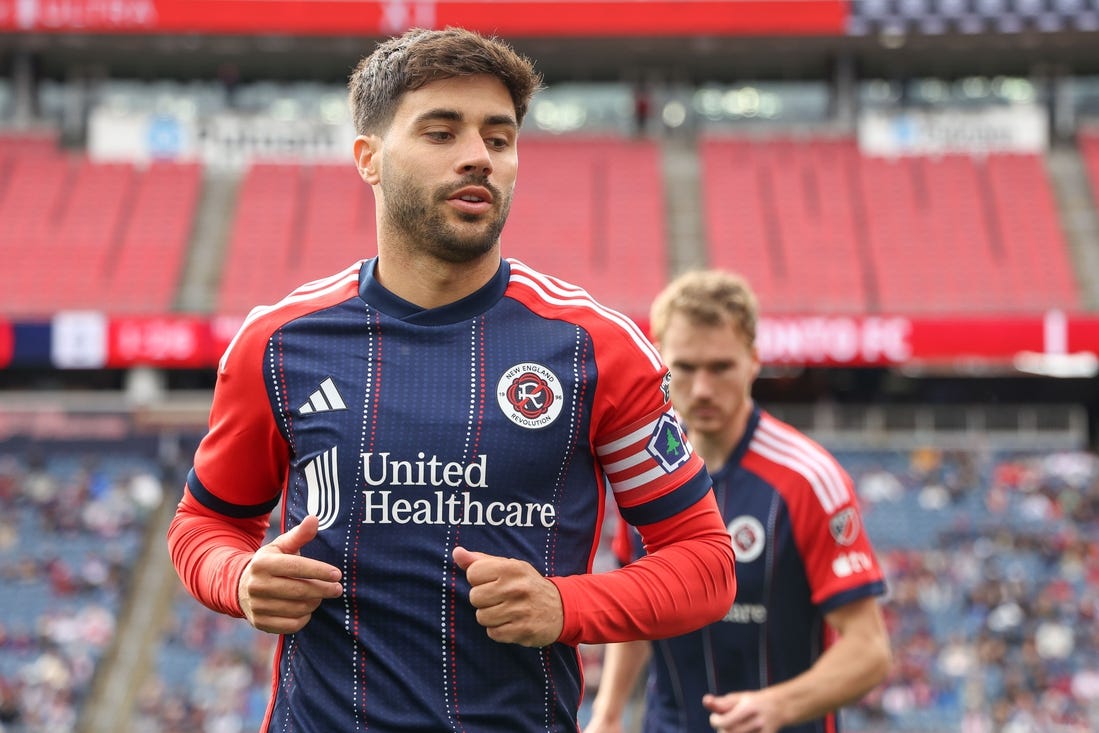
374, 295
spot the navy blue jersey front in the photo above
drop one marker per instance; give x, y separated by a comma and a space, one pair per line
488, 423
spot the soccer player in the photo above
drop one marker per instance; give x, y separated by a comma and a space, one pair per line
806, 634
441, 425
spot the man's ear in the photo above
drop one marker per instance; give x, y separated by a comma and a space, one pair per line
367, 150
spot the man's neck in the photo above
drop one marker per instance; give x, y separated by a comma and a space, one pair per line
431, 283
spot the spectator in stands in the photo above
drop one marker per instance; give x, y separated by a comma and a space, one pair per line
441, 424
806, 634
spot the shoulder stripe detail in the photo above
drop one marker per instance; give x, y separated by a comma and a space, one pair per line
629, 464
556, 292
301, 294
631, 438
800, 455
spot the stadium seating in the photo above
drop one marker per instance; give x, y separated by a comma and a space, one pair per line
818, 226
293, 223
84, 235
591, 211
783, 212
72, 522
989, 555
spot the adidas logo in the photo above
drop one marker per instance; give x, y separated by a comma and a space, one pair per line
324, 399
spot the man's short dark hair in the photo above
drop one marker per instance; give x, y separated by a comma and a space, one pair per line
418, 57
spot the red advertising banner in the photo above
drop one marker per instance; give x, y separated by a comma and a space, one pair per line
508, 18
178, 342
1050, 342
888, 340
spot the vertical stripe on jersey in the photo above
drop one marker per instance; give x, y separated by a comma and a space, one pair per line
478, 387
805, 458
770, 560
367, 444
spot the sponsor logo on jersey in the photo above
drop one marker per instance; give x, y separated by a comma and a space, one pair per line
324, 399
748, 537
380, 469
667, 444
530, 395
844, 526
747, 613
851, 563
322, 487
382, 507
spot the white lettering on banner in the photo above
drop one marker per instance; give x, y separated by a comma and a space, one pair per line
91, 14
235, 140
381, 508
159, 340
1019, 128
837, 340
226, 140
400, 15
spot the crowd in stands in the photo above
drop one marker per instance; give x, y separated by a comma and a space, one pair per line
72, 522
992, 559
993, 618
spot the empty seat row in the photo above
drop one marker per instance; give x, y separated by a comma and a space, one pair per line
815, 224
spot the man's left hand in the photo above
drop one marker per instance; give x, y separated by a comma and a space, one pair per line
514, 602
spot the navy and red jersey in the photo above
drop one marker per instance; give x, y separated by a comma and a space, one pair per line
801, 552
495, 423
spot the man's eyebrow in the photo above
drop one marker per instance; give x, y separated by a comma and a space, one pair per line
501, 120
452, 115
439, 113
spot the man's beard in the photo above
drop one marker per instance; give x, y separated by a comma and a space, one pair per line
421, 218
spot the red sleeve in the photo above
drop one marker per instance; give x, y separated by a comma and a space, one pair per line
239, 470
622, 542
210, 551
672, 590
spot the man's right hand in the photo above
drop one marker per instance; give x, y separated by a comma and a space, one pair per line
280, 589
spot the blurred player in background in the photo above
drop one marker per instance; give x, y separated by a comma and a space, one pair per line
806, 634
440, 424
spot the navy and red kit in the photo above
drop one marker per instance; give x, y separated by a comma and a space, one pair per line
801, 552
495, 422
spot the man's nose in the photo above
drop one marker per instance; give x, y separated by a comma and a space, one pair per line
702, 383
474, 156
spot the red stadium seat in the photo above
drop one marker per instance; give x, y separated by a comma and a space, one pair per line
819, 227
591, 211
